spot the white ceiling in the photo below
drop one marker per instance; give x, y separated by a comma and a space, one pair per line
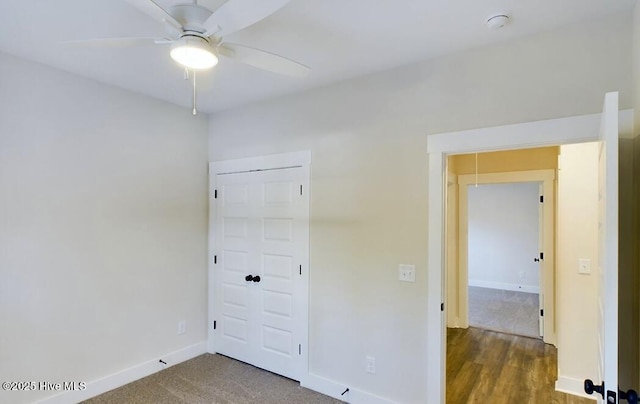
339, 39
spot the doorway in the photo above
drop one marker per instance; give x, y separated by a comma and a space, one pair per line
534, 169
556, 131
503, 258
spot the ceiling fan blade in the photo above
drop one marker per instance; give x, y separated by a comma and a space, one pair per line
264, 60
152, 9
116, 42
235, 15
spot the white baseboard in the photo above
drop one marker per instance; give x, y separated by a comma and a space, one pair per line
504, 286
115, 380
119, 379
334, 389
573, 386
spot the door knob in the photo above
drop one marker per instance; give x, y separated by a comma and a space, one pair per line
631, 396
590, 388
249, 278
536, 260
256, 278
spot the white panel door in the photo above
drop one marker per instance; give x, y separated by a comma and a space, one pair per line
261, 245
608, 254
233, 301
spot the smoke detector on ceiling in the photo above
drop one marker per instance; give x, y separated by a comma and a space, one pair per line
497, 21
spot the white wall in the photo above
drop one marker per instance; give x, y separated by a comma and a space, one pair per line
576, 238
504, 236
369, 178
103, 227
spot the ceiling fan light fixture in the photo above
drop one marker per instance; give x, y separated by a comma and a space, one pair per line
194, 52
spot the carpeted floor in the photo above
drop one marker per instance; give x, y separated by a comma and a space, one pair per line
504, 310
213, 379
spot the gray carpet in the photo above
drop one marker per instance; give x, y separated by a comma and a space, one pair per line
213, 379
504, 311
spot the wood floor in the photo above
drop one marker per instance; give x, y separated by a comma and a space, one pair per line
490, 367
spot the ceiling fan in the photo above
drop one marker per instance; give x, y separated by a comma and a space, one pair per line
196, 35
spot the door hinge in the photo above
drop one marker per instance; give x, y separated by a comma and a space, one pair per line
215, 194
300, 189
541, 256
541, 198
541, 312
214, 324
441, 306
300, 269
215, 259
299, 349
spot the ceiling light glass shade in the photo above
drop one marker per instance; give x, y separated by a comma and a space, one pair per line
194, 53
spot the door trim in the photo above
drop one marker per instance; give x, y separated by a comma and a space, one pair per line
547, 178
552, 132
300, 159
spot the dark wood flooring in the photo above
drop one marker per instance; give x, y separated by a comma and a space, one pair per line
490, 367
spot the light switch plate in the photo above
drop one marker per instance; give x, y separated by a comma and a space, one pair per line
584, 266
407, 273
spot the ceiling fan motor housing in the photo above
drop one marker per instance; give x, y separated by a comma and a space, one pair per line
191, 16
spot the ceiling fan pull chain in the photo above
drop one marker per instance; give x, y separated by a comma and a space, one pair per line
195, 111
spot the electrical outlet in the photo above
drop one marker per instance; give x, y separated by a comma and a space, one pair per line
182, 327
371, 365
